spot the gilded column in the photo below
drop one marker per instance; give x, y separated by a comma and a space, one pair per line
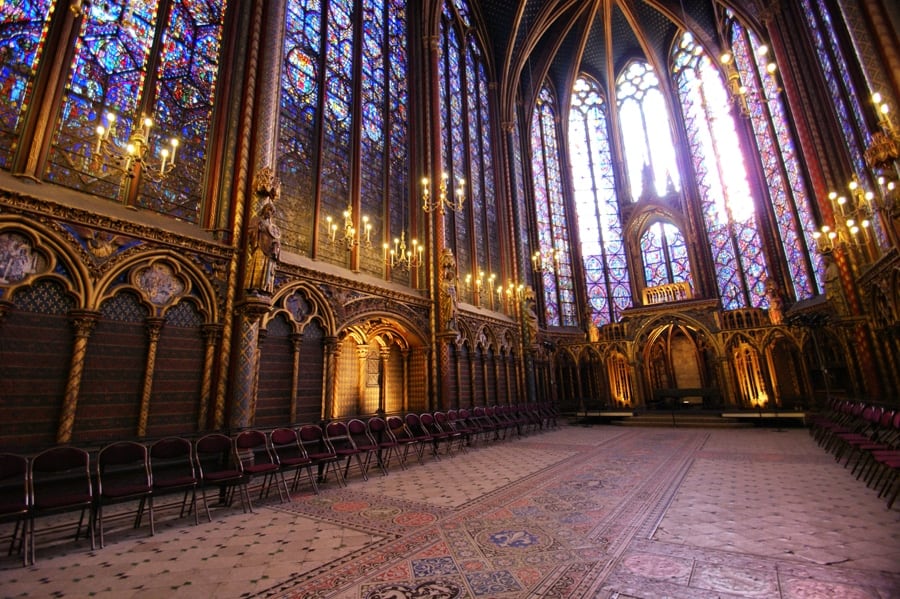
384, 355
332, 351
154, 329
211, 335
406, 357
83, 322
296, 346
362, 357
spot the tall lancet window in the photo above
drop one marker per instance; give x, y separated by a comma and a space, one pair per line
554, 258
599, 218
340, 142
135, 61
788, 196
467, 156
644, 122
727, 201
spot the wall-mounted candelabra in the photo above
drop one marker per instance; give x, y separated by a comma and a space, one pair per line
740, 94
135, 157
349, 235
402, 257
545, 260
443, 200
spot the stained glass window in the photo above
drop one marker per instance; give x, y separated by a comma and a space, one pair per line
554, 257
321, 111
845, 97
599, 218
23, 29
664, 255
790, 200
467, 154
644, 122
120, 77
298, 122
726, 199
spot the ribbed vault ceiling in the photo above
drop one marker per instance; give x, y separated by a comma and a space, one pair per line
560, 38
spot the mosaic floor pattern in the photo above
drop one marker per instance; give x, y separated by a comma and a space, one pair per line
598, 511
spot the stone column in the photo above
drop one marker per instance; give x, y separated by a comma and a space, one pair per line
296, 346
249, 312
211, 335
84, 323
329, 374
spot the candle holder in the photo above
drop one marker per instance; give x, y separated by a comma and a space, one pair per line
132, 160
351, 236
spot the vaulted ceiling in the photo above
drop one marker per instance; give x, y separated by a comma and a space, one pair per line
560, 38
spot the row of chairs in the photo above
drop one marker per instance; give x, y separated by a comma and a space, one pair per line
866, 438
69, 479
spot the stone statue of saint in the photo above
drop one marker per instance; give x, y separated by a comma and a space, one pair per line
776, 303
529, 315
834, 288
264, 246
448, 299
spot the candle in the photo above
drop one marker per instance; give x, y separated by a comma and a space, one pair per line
162, 165
174, 143
100, 133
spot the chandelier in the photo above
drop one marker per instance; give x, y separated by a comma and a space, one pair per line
350, 236
135, 157
442, 201
404, 258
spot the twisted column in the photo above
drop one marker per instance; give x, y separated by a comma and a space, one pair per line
154, 329
84, 322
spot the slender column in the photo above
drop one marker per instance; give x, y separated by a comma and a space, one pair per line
472, 399
329, 383
250, 311
211, 335
362, 357
406, 357
296, 346
83, 322
154, 329
384, 354
254, 397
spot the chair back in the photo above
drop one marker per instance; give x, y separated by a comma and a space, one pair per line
287, 447
399, 430
172, 463
252, 450
339, 437
312, 437
359, 432
214, 455
14, 497
379, 431
123, 470
61, 478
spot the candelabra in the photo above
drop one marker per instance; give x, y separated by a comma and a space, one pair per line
739, 93
135, 157
351, 236
853, 214
442, 200
402, 257
545, 260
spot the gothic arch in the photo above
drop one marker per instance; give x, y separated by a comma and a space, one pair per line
32, 252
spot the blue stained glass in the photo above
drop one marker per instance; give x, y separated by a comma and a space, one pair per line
23, 29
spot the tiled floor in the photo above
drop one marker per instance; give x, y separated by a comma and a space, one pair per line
575, 512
